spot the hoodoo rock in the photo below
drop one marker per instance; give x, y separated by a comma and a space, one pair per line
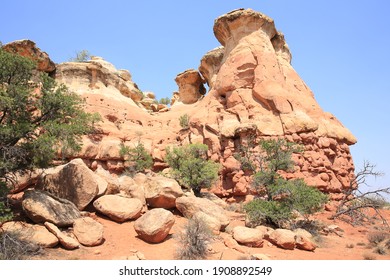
191, 86
254, 93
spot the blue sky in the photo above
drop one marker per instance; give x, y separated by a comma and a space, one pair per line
339, 48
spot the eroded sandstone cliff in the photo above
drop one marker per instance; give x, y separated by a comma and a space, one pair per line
253, 92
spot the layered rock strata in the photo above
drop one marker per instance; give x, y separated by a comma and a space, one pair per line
253, 92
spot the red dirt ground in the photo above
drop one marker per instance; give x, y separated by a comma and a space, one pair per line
121, 242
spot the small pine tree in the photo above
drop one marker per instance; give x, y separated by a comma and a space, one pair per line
191, 168
184, 121
138, 158
38, 118
283, 197
81, 56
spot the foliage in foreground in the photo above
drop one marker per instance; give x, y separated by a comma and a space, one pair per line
193, 241
38, 119
287, 198
14, 248
191, 168
137, 158
283, 197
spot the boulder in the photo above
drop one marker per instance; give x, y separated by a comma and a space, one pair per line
189, 206
128, 187
37, 234
41, 207
211, 222
118, 208
66, 241
302, 242
88, 231
154, 225
251, 237
283, 238
73, 181
29, 49
162, 192
191, 86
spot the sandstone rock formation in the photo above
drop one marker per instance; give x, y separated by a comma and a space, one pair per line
66, 241
88, 231
253, 92
162, 192
118, 208
248, 236
189, 206
29, 49
73, 181
41, 207
191, 87
154, 225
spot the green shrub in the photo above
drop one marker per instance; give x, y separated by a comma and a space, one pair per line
262, 212
81, 56
191, 168
34, 127
285, 198
165, 101
138, 158
184, 121
193, 240
5, 211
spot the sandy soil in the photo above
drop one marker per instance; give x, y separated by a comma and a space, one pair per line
121, 242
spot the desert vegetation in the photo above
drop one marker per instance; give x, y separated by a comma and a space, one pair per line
279, 199
191, 166
38, 118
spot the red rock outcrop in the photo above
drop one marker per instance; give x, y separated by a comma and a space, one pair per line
254, 91
29, 49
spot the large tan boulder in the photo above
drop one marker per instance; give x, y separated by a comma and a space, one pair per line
41, 207
154, 225
73, 181
88, 231
37, 234
189, 206
251, 237
283, 238
118, 208
28, 48
162, 192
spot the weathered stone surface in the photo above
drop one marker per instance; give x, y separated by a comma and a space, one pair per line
162, 192
37, 234
191, 86
118, 208
188, 206
283, 238
88, 231
66, 241
73, 181
211, 222
210, 64
129, 187
41, 206
28, 48
248, 236
253, 91
154, 225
